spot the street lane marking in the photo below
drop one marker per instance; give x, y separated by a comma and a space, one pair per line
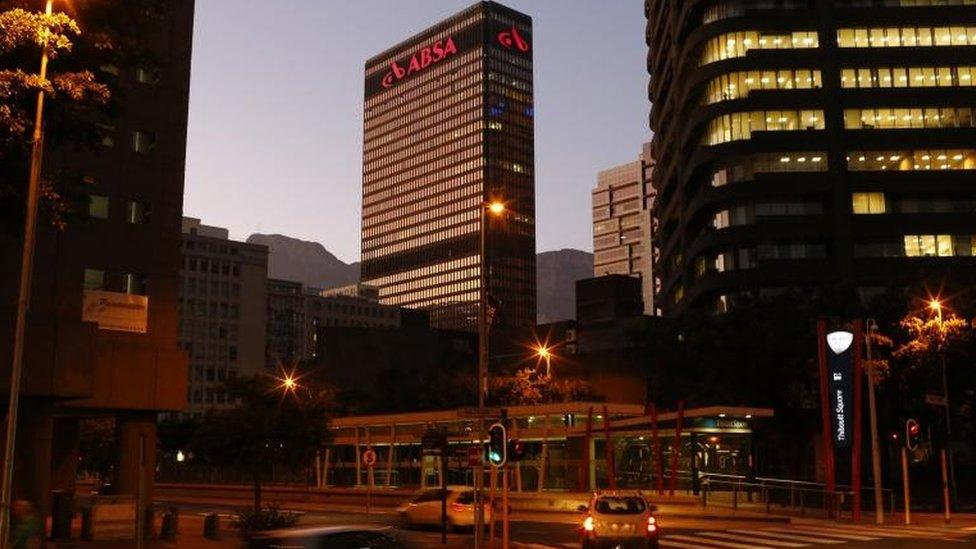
751, 539
820, 532
714, 542
885, 532
665, 542
792, 537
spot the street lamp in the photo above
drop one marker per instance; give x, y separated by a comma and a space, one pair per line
544, 353
496, 208
873, 411
936, 305
23, 296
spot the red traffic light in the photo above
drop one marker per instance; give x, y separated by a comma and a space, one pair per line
912, 434
914, 429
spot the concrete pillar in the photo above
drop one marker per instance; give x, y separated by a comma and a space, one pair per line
135, 434
65, 453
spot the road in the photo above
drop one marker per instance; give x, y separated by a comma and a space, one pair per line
558, 530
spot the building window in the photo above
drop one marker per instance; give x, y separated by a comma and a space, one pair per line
929, 245
919, 159
908, 77
868, 203
147, 75
739, 84
871, 119
133, 283
737, 44
902, 37
98, 206
740, 125
94, 279
137, 212
143, 142
107, 134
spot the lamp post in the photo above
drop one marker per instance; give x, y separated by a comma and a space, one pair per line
23, 295
493, 208
936, 306
873, 412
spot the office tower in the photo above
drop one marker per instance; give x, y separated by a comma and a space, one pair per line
804, 144
448, 128
223, 287
622, 202
101, 334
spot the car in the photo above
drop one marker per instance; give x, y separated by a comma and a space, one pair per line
619, 519
424, 508
365, 536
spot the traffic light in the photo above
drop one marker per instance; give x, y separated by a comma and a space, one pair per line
516, 450
497, 445
913, 432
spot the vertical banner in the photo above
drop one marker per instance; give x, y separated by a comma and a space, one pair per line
858, 419
656, 456
826, 439
840, 370
676, 448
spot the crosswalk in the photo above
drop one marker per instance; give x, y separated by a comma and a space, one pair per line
802, 535
791, 536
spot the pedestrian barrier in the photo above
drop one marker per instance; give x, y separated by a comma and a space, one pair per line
170, 525
211, 526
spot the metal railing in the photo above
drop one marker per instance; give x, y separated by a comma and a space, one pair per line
776, 494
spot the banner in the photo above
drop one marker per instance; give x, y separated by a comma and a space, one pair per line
840, 374
116, 311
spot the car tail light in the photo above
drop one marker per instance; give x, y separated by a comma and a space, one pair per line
651, 524
588, 524
459, 507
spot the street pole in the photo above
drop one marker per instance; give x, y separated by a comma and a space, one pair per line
479, 513
871, 325
505, 544
945, 487
905, 485
23, 295
945, 395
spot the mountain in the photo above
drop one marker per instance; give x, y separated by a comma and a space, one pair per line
556, 275
306, 262
314, 266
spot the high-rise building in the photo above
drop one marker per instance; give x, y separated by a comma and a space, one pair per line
808, 143
622, 202
101, 334
222, 312
449, 127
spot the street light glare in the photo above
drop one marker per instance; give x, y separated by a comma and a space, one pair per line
543, 352
496, 208
935, 305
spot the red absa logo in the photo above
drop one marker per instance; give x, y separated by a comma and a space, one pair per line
420, 60
512, 39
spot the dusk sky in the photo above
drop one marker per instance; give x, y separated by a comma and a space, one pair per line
275, 131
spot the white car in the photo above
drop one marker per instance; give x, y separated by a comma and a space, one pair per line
617, 519
424, 509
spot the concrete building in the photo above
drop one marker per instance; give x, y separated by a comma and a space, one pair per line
295, 314
101, 335
449, 127
622, 227
806, 145
222, 312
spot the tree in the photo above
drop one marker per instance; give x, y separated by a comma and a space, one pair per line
531, 386
270, 426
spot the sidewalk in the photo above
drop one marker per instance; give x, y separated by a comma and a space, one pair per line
190, 537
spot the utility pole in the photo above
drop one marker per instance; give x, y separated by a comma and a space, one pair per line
23, 295
871, 325
905, 485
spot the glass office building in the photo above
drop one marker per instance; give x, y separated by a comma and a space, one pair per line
448, 127
804, 144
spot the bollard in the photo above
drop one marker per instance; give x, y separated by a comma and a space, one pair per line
735, 496
803, 509
170, 525
766, 497
86, 523
211, 526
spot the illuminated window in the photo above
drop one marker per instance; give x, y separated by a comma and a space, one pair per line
907, 77
746, 168
737, 44
899, 37
929, 245
868, 203
740, 125
143, 142
740, 84
904, 118
919, 159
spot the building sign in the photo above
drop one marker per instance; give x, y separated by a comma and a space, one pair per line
116, 311
420, 60
840, 372
511, 39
